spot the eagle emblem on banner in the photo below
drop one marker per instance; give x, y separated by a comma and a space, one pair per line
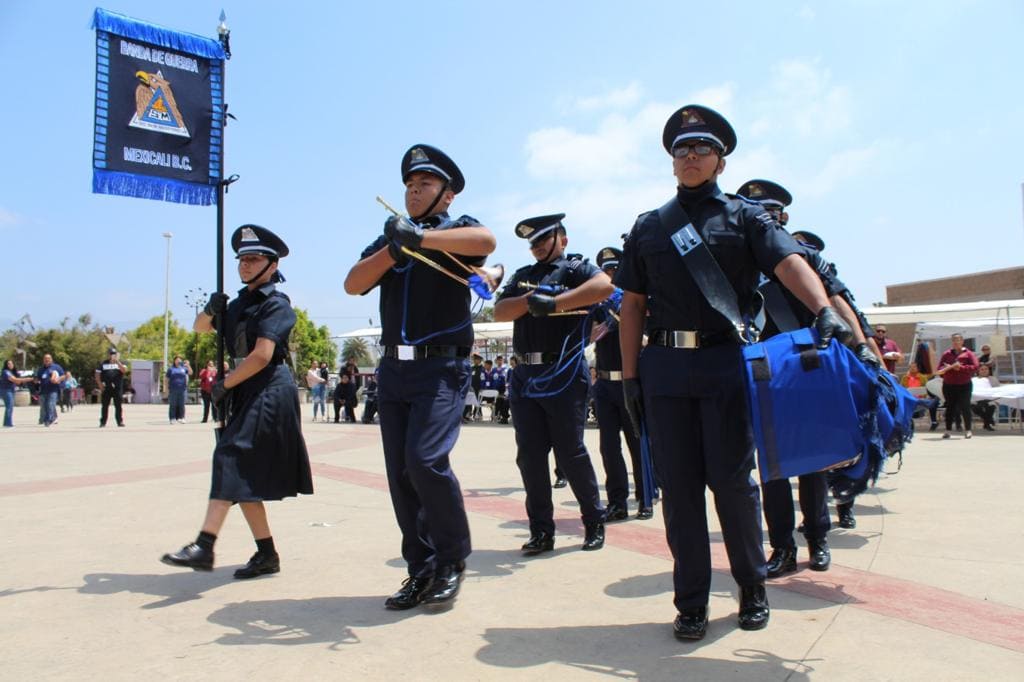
155, 108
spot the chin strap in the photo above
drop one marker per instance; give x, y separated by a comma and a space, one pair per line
262, 272
429, 211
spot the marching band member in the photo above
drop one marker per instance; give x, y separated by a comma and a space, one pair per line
427, 334
689, 378
548, 392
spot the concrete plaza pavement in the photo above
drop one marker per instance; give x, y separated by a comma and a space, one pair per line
927, 587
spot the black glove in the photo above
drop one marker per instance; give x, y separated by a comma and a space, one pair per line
218, 392
634, 403
395, 251
217, 304
403, 231
830, 325
540, 305
865, 355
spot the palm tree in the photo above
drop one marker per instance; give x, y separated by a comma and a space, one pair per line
357, 349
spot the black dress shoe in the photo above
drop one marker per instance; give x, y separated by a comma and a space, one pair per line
754, 609
644, 513
410, 594
691, 624
847, 519
560, 482
539, 542
782, 561
615, 512
593, 538
259, 564
190, 556
821, 557
446, 584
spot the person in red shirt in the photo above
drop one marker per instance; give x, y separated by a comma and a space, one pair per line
891, 353
207, 378
956, 367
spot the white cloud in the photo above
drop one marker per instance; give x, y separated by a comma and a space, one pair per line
622, 98
839, 167
8, 218
802, 98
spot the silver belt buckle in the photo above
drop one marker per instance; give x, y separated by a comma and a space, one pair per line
534, 358
406, 352
614, 376
685, 339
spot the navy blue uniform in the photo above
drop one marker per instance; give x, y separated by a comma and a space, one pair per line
695, 399
261, 454
544, 422
813, 488
112, 385
612, 420
420, 402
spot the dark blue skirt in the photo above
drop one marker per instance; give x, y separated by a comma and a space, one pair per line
261, 454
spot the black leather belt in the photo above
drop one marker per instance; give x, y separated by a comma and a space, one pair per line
424, 352
609, 376
689, 339
544, 358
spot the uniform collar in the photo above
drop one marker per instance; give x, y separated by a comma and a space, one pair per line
435, 220
266, 289
691, 197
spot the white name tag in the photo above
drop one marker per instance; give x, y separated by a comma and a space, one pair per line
109, 365
406, 353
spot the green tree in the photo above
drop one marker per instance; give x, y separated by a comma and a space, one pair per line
147, 340
357, 349
486, 314
76, 347
309, 342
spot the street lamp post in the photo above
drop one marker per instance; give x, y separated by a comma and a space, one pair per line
167, 295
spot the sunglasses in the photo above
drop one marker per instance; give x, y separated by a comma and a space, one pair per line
681, 151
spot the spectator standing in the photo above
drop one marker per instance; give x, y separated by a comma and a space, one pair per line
501, 384
49, 377
207, 377
891, 353
915, 378
110, 380
8, 380
177, 386
956, 367
67, 393
316, 390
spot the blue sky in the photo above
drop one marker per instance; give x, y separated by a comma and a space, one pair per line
896, 126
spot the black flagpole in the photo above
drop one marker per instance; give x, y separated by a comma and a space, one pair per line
225, 37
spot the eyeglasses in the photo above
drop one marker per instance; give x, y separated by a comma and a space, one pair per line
681, 151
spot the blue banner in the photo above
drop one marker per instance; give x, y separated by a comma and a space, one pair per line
159, 125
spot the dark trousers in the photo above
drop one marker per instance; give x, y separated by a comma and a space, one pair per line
985, 409
207, 402
700, 437
779, 513
958, 402
105, 398
369, 410
554, 423
612, 419
421, 405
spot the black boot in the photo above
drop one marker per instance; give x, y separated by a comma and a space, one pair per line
615, 512
691, 623
446, 584
644, 513
782, 561
539, 542
754, 609
821, 557
260, 563
410, 594
846, 517
560, 482
190, 556
593, 538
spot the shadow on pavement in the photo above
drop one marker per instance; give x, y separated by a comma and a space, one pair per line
175, 588
327, 620
645, 651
